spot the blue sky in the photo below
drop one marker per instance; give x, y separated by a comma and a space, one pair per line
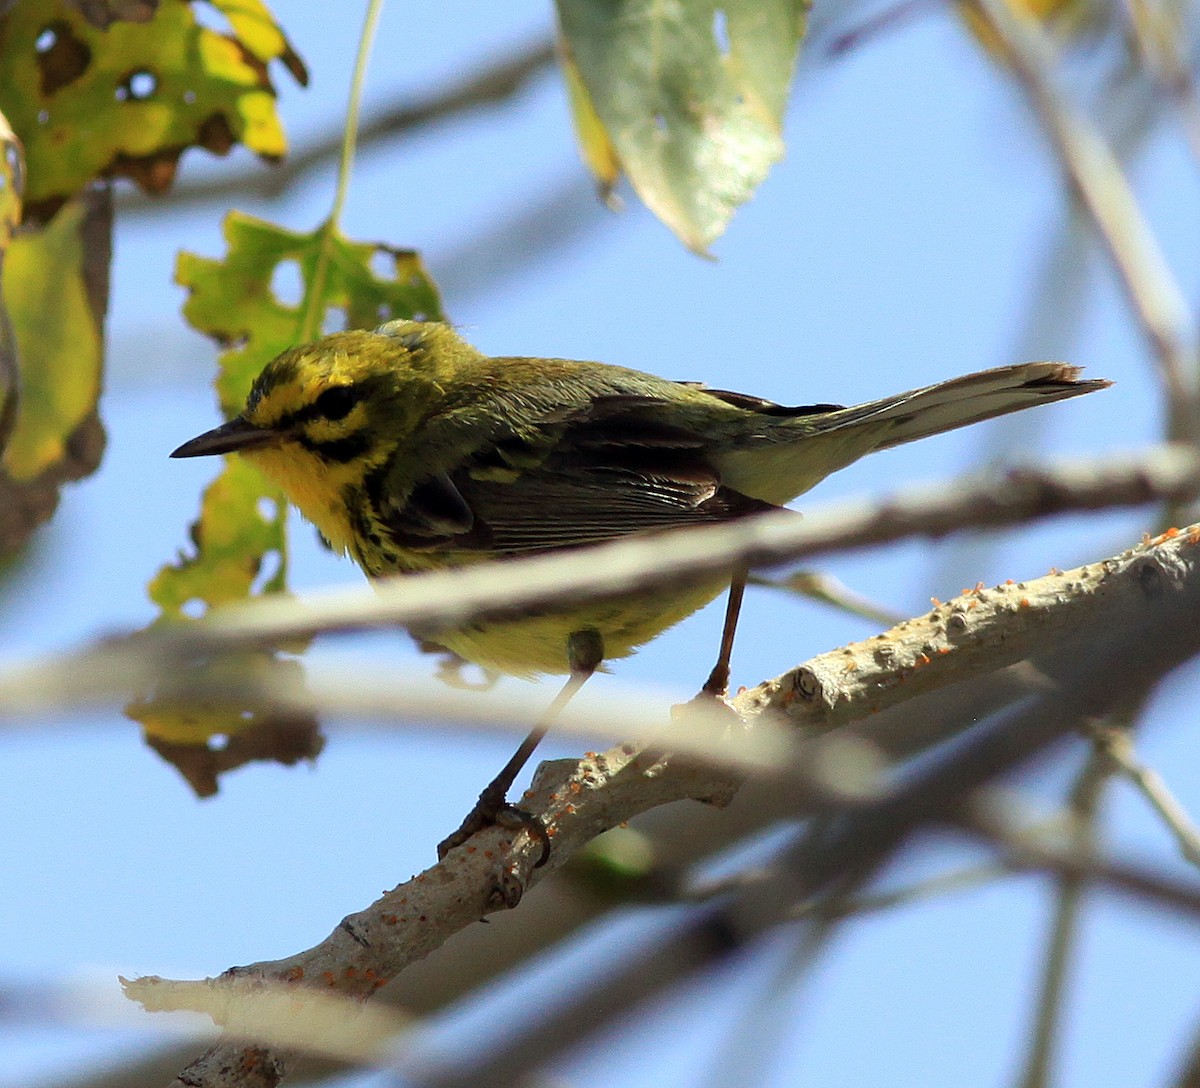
901, 241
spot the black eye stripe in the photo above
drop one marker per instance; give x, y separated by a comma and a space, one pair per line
333, 404
339, 450
337, 402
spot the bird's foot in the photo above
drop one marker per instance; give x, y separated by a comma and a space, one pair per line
489, 811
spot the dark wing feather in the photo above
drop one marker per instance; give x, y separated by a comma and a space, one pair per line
762, 406
599, 473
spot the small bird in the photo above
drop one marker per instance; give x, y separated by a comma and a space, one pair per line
412, 451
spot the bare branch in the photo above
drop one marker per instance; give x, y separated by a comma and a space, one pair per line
1068, 906
1100, 184
493, 86
578, 800
487, 591
1116, 745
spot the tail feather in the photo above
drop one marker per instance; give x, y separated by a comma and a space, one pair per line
962, 401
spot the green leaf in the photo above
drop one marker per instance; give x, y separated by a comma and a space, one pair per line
233, 301
207, 737
233, 537
243, 518
55, 291
59, 339
691, 93
128, 100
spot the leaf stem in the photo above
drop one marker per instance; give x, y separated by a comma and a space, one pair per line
313, 299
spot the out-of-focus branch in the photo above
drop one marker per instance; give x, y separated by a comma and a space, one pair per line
1100, 184
577, 800
493, 86
1064, 928
1116, 745
447, 599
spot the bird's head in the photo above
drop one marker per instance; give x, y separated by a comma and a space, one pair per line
338, 397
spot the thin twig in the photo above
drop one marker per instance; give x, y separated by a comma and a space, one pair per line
315, 300
1101, 186
1068, 903
1116, 745
824, 588
1160, 36
493, 85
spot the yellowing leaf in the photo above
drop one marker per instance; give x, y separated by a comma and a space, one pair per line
60, 341
55, 290
233, 537
204, 737
234, 301
691, 94
242, 518
595, 147
12, 184
128, 100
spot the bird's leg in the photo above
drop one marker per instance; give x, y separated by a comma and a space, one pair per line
717, 683
585, 651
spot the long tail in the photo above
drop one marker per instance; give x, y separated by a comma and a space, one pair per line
960, 401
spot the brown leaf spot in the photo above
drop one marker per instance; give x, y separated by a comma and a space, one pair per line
61, 57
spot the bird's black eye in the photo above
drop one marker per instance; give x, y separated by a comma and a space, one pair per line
336, 403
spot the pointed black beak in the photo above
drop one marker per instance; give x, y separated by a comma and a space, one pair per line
230, 437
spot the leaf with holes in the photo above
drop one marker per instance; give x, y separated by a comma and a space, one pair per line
128, 100
691, 96
205, 737
258, 301
270, 291
237, 302
237, 531
55, 291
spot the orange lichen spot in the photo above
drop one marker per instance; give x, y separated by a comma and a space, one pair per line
589, 755
972, 604
788, 697
1194, 535
936, 602
376, 983
851, 666
569, 809
576, 788
944, 650
370, 972
328, 978
293, 974
551, 832
489, 854
389, 919
922, 659
351, 972
742, 689
1024, 603
1009, 582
